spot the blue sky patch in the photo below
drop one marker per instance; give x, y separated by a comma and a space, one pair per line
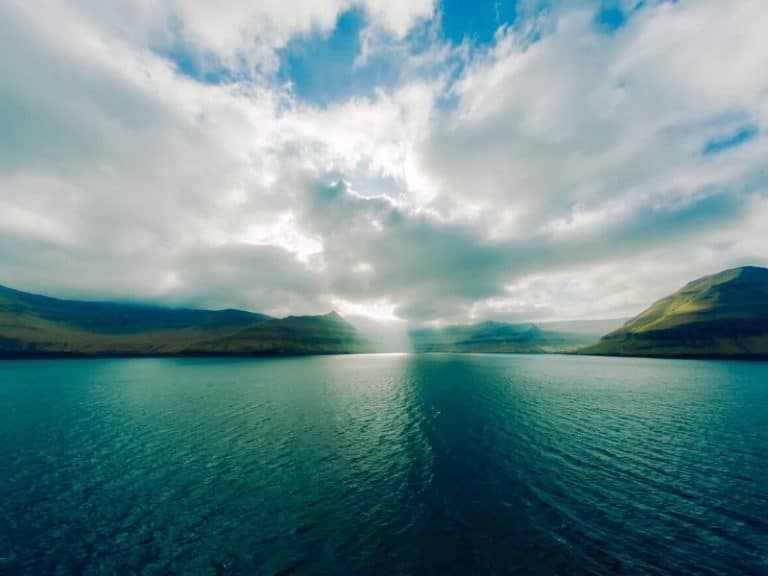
720, 144
477, 21
322, 68
203, 68
610, 17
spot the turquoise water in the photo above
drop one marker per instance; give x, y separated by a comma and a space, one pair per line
433, 464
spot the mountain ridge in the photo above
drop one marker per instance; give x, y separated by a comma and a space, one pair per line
34, 325
719, 315
495, 337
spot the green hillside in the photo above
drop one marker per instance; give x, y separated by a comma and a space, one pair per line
39, 326
723, 315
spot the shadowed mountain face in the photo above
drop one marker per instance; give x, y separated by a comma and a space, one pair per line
495, 337
724, 315
32, 326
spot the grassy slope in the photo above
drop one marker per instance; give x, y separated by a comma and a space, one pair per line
32, 325
721, 315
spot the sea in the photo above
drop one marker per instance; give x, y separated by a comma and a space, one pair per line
384, 464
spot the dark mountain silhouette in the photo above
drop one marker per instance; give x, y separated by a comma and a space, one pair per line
38, 326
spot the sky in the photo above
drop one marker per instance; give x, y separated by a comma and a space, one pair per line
417, 162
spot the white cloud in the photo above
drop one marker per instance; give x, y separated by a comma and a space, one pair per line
239, 35
552, 179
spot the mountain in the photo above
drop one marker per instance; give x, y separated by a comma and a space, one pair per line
39, 326
495, 337
593, 328
724, 315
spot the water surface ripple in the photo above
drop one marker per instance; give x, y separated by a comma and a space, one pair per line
435, 464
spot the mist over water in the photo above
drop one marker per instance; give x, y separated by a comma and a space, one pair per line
427, 464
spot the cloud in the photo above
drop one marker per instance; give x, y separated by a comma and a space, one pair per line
238, 37
578, 116
550, 172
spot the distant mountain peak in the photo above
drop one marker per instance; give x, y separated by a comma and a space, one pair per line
741, 272
493, 337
